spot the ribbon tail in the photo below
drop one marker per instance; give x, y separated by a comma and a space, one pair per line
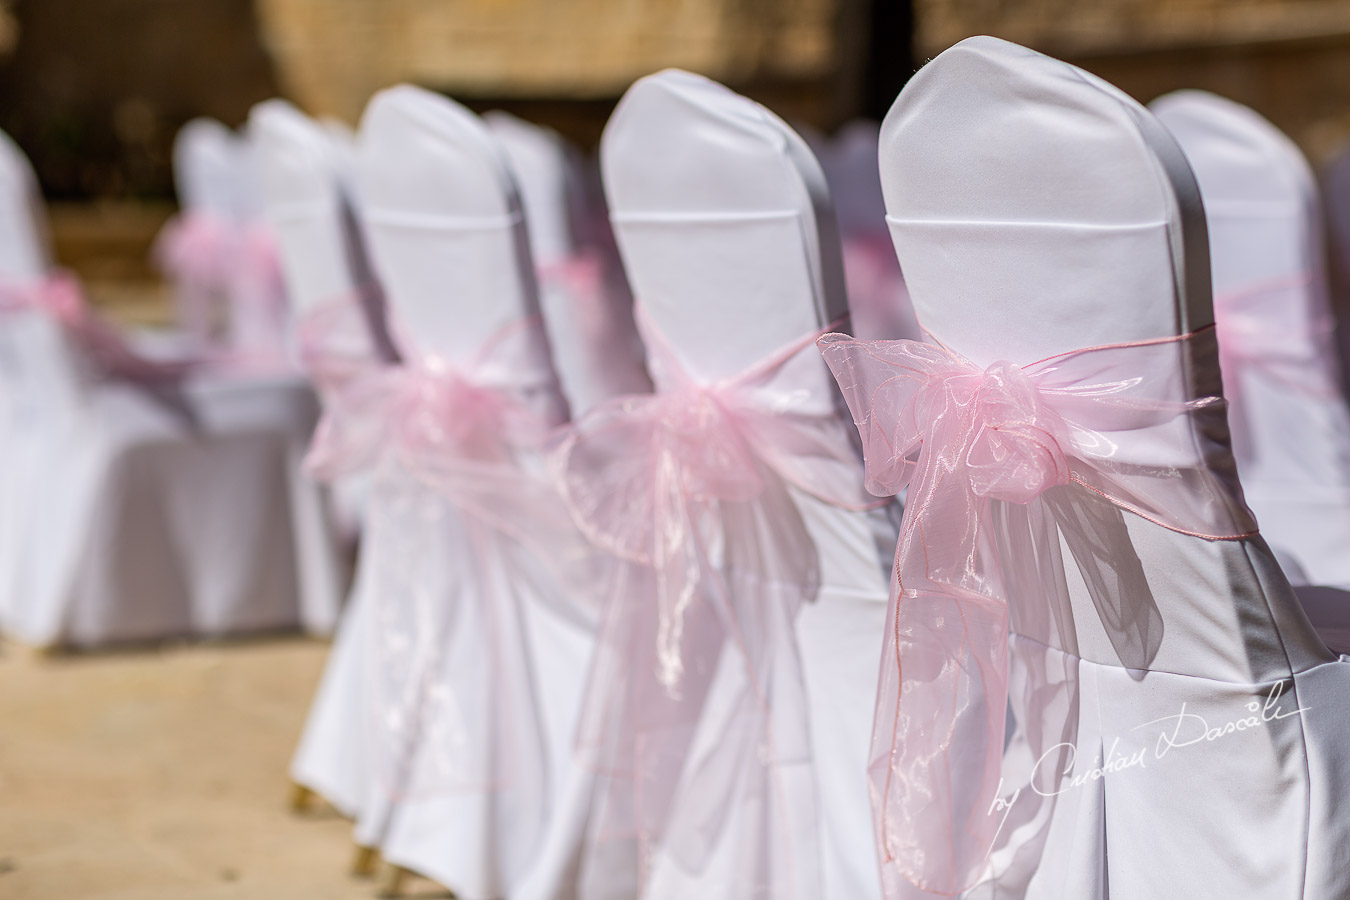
749, 777
938, 743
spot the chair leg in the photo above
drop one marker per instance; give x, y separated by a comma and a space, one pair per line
301, 799
366, 860
395, 878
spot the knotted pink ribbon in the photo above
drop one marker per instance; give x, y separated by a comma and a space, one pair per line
102, 343
445, 424
465, 434
689, 489
964, 440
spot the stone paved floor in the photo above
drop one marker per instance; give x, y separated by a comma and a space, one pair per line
161, 775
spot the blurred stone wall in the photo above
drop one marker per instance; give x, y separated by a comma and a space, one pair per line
1288, 59
93, 90
804, 55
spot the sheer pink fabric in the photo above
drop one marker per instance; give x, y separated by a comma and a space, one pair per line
195, 250
1257, 335
337, 354
582, 274
970, 444
224, 270
100, 342
689, 490
473, 527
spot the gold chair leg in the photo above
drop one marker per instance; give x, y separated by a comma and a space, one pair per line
301, 799
365, 862
395, 878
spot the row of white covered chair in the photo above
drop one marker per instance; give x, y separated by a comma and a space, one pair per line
754, 244
1076, 549
622, 589
148, 491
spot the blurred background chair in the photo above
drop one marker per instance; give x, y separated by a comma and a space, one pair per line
1290, 421
1114, 620
112, 460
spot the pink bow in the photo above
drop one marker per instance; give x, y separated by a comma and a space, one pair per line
195, 249
691, 490
458, 433
965, 440
102, 343
452, 682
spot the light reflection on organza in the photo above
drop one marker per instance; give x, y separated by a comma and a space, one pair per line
463, 534
695, 717
1000, 461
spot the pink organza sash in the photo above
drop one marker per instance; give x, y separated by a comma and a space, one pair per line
465, 431
101, 343
195, 250
259, 314
465, 524
1253, 333
966, 441
338, 356
581, 275
688, 489
1254, 339
481, 413
225, 270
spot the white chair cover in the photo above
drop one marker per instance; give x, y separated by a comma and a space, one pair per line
728, 238
1335, 182
447, 235
24, 242
324, 261
219, 251
544, 169
849, 160
588, 316
206, 169
878, 300
299, 171
1291, 426
260, 315
25, 257
196, 245
102, 537
1036, 210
